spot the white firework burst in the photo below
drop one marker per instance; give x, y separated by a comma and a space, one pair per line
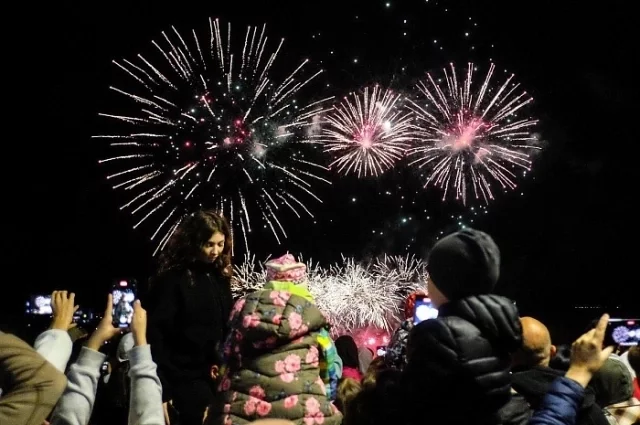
214, 129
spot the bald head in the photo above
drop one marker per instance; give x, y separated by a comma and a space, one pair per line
536, 344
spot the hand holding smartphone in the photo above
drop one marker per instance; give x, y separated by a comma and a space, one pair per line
124, 294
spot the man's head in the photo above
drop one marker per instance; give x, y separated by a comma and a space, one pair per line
462, 264
537, 349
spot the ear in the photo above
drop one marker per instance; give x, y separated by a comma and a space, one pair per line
553, 351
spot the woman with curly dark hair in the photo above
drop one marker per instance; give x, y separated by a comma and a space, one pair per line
188, 308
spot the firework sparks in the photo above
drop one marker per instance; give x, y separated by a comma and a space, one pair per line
367, 133
468, 137
215, 130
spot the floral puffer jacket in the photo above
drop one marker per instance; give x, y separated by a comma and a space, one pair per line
274, 361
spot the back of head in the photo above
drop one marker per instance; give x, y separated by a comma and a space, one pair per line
536, 344
464, 263
612, 383
378, 404
371, 375
347, 391
348, 351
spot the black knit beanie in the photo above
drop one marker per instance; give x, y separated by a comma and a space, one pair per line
464, 263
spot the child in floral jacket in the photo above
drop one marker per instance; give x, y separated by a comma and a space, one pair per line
278, 361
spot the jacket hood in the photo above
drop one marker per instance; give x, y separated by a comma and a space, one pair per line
495, 316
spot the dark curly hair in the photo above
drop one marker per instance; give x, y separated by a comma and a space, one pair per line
185, 245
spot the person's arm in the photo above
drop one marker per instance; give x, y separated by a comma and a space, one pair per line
55, 346
560, 404
76, 404
162, 306
145, 407
31, 385
328, 370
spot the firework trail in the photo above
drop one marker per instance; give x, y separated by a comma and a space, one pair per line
367, 133
214, 130
469, 137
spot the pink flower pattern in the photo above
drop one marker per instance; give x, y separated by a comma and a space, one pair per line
303, 330
257, 392
295, 321
254, 405
290, 402
251, 321
292, 363
280, 298
313, 357
313, 415
237, 307
263, 408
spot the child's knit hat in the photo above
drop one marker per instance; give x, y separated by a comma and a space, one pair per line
286, 269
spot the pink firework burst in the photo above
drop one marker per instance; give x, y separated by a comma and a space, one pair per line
368, 133
470, 138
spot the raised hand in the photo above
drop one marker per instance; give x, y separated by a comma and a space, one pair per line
64, 308
587, 353
105, 330
139, 324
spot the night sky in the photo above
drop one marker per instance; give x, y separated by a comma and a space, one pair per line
566, 234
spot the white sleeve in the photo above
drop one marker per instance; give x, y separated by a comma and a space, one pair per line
145, 407
55, 346
76, 404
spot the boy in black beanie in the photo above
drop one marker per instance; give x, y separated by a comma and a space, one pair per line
459, 364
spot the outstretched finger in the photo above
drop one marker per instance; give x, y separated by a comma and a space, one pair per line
72, 298
107, 311
601, 328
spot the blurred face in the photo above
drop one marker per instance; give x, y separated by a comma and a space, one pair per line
213, 247
437, 298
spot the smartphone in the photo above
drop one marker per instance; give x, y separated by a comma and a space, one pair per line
381, 350
124, 294
424, 310
623, 332
40, 305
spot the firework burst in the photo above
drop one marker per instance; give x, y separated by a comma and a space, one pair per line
469, 137
214, 130
367, 133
